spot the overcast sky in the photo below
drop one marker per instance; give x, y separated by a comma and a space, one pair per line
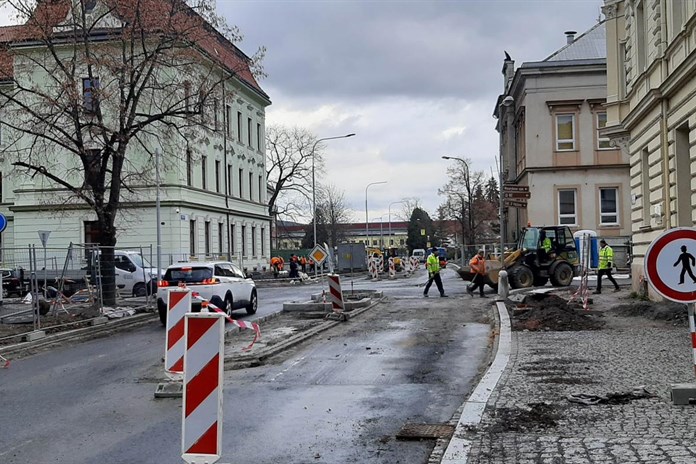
414, 80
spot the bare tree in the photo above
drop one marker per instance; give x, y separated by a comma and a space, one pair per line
290, 152
94, 82
408, 206
466, 202
336, 213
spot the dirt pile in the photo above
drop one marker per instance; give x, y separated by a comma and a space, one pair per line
662, 311
551, 312
537, 417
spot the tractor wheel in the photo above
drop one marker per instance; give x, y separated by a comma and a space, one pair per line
540, 281
562, 275
521, 276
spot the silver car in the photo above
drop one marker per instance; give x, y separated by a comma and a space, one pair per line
220, 282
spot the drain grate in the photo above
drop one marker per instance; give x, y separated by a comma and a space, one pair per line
420, 431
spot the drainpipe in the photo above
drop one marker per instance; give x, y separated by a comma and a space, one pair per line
664, 128
224, 163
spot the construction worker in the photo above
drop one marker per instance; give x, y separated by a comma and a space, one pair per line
606, 262
477, 265
432, 264
546, 245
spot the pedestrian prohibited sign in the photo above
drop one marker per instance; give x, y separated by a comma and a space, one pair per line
318, 254
670, 264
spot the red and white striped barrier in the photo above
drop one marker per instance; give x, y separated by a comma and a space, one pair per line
337, 303
201, 425
380, 264
372, 268
692, 328
392, 268
207, 306
415, 264
178, 304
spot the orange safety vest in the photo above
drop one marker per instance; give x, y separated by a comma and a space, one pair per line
477, 265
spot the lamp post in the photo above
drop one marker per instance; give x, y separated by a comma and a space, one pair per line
314, 190
390, 205
471, 222
367, 227
507, 102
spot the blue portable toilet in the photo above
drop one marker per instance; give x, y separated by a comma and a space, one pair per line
593, 245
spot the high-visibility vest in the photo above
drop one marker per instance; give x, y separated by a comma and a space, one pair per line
606, 256
478, 265
433, 263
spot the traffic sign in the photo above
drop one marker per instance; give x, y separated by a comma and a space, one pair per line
515, 188
515, 203
670, 264
3, 222
516, 194
318, 255
43, 236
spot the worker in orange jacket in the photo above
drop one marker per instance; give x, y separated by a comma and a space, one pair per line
477, 265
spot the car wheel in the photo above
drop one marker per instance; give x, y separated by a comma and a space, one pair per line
162, 310
253, 303
139, 290
228, 305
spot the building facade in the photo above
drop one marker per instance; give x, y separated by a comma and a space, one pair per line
209, 174
549, 118
651, 109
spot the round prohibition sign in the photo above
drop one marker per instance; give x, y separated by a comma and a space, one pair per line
670, 264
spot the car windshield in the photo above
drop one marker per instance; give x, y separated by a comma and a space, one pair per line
188, 274
139, 260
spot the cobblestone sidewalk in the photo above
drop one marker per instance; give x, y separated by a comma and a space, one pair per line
530, 420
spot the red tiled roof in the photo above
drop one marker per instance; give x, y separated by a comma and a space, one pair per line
154, 16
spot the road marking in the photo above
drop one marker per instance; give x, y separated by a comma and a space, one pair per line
273, 379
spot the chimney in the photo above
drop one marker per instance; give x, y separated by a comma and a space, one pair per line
570, 36
508, 72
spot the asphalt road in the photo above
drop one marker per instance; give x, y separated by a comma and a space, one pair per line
338, 399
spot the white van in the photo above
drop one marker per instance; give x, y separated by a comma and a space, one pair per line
420, 254
135, 276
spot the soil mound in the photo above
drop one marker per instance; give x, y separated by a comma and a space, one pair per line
551, 312
662, 311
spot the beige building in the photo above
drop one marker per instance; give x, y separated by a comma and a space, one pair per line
549, 119
651, 111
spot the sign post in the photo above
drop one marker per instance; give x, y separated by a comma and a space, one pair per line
670, 268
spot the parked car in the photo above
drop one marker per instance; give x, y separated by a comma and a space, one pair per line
220, 282
12, 282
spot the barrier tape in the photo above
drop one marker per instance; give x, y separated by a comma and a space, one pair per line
205, 304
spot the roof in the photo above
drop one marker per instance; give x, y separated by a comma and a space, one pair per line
590, 45
182, 19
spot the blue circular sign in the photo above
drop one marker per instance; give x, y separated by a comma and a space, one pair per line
3, 222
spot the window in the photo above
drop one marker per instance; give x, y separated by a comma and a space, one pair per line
189, 169
239, 126
602, 142
217, 176
90, 101
229, 179
608, 206
645, 185
258, 137
253, 241
216, 105
241, 178
251, 186
565, 132
0, 187
232, 239
566, 207
641, 49
192, 237
249, 132
263, 242
220, 237
228, 126
207, 238
92, 232
244, 241
1, 134
260, 189
204, 172
187, 96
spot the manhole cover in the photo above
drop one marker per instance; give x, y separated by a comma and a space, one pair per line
419, 431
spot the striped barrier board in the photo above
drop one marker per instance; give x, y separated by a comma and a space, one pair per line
201, 425
178, 304
337, 303
392, 268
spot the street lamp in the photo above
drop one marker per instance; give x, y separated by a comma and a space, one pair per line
314, 190
390, 205
367, 227
507, 102
471, 222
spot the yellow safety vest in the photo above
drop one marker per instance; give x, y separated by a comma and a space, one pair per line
606, 256
433, 263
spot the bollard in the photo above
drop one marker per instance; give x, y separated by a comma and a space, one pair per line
503, 285
178, 304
